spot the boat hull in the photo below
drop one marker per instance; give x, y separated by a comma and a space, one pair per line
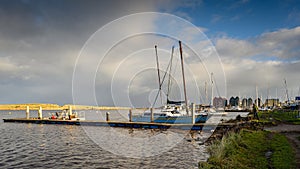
172, 120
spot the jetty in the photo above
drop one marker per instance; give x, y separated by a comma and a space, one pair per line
68, 117
144, 125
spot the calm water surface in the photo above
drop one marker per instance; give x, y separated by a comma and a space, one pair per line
63, 146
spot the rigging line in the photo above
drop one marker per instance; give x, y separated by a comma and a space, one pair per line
162, 81
158, 73
216, 87
286, 90
170, 71
174, 71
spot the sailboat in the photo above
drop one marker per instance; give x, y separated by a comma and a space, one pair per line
173, 111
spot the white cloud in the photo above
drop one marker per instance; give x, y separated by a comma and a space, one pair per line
229, 47
283, 43
264, 61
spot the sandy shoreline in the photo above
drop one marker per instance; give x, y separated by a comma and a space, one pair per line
46, 106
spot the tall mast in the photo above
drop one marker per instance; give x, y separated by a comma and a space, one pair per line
256, 95
183, 78
170, 71
212, 89
268, 91
261, 99
159, 83
286, 91
206, 96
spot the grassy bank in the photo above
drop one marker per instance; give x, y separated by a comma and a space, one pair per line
276, 116
251, 149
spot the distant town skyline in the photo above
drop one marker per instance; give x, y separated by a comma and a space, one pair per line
257, 43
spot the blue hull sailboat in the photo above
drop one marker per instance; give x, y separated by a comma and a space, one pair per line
178, 112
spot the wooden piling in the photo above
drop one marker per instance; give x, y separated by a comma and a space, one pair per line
152, 117
107, 116
27, 112
130, 115
70, 110
193, 113
40, 113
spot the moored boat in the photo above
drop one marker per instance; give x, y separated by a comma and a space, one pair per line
173, 111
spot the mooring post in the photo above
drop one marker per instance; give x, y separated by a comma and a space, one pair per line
152, 117
27, 112
70, 110
107, 116
40, 113
193, 113
130, 115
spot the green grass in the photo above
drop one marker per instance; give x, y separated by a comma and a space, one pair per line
282, 156
279, 116
247, 149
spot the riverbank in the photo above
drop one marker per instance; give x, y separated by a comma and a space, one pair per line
49, 106
251, 149
280, 116
273, 141
292, 133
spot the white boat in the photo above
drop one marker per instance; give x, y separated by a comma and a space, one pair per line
173, 111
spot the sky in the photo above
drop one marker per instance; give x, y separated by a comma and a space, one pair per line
75, 51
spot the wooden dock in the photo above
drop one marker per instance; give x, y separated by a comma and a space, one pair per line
144, 125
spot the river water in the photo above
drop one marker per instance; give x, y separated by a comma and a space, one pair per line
66, 146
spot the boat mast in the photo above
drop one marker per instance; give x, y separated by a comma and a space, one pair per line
286, 91
169, 82
206, 96
183, 78
212, 90
159, 83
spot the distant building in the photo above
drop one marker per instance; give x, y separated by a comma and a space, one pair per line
219, 102
271, 102
234, 101
244, 103
250, 103
259, 102
247, 103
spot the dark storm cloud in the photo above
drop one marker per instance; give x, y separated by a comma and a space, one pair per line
40, 40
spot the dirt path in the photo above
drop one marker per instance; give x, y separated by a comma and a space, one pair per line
292, 132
